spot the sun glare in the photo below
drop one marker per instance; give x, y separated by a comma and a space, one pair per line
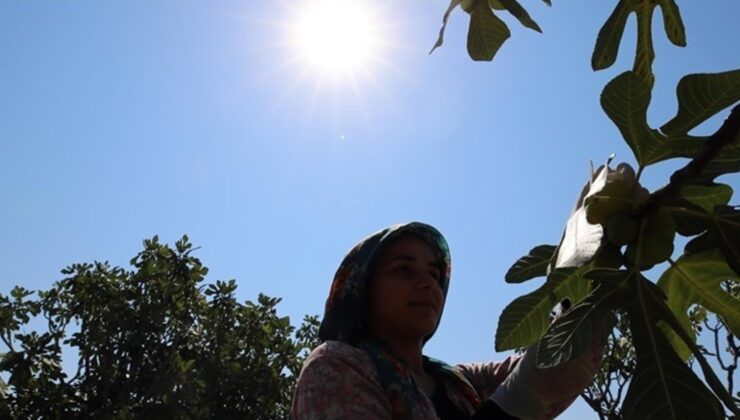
338, 54
339, 37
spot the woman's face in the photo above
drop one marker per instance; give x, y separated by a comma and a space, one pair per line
405, 298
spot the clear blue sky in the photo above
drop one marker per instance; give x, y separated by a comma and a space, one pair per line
124, 120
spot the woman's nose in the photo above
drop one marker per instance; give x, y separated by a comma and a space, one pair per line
427, 280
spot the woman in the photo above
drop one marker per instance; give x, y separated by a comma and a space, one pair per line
385, 303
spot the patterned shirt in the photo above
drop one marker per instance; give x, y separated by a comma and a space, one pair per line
339, 381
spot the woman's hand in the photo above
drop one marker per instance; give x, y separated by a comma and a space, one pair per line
533, 393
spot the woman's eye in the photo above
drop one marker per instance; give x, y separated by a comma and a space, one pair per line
402, 269
406, 270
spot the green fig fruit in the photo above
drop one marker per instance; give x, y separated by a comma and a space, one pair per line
614, 191
656, 242
621, 229
609, 256
662, 224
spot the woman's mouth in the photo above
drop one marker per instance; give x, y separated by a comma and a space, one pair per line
423, 304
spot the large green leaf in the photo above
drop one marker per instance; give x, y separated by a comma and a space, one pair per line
486, 33
525, 319
532, 265
717, 168
696, 279
644, 55
696, 202
570, 335
520, 13
581, 240
724, 233
672, 22
654, 299
496, 5
707, 196
690, 219
445, 18
700, 96
663, 387
728, 159
701, 243
625, 100
610, 36
727, 231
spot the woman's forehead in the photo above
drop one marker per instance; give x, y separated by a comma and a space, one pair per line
409, 247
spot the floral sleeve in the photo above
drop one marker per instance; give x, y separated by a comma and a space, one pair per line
338, 383
486, 377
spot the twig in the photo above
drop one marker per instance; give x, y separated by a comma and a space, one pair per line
8, 342
715, 333
732, 347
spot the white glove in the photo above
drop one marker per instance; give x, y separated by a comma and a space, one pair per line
533, 393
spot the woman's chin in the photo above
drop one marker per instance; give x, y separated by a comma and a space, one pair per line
425, 326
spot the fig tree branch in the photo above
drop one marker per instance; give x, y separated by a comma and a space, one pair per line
727, 133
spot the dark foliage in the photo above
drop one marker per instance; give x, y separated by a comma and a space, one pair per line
151, 342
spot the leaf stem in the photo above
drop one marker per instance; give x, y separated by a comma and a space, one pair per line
638, 254
639, 174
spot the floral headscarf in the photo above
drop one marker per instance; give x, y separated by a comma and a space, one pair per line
347, 308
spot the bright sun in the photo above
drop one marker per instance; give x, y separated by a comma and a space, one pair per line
338, 37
